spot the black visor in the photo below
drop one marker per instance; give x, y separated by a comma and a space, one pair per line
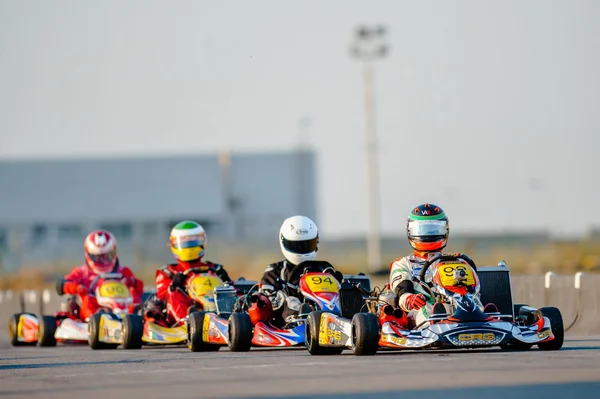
300, 247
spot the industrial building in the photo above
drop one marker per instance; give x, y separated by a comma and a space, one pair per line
48, 206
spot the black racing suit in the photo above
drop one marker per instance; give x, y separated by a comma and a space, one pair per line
274, 280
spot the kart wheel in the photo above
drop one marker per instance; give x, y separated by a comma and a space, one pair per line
12, 331
94, 334
195, 342
240, 332
132, 330
558, 329
313, 325
46, 331
365, 334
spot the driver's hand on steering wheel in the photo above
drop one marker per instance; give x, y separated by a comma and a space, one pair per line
415, 301
178, 281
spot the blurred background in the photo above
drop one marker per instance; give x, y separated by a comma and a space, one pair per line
132, 116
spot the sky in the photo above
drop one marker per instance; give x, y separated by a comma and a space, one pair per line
488, 109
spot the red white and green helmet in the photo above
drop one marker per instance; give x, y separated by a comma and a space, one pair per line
427, 228
188, 240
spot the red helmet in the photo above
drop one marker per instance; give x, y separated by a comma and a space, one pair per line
100, 251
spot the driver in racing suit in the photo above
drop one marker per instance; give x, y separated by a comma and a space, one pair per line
188, 240
298, 239
428, 230
100, 248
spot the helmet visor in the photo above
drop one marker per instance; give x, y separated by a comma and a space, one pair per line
196, 240
103, 259
427, 228
300, 247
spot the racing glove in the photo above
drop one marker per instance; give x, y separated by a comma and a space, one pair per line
178, 281
415, 301
82, 290
278, 299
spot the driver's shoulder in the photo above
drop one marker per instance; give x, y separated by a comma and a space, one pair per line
275, 266
169, 268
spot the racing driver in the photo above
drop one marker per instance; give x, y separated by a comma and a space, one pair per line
187, 242
100, 249
427, 228
298, 240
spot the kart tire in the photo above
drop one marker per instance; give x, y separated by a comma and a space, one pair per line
313, 326
558, 329
94, 334
195, 342
12, 331
46, 331
240, 332
365, 334
132, 329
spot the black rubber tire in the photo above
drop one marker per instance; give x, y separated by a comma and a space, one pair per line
195, 342
558, 329
240, 332
93, 333
46, 331
365, 334
313, 324
12, 331
132, 330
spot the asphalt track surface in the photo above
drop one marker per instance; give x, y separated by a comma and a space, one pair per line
175, 372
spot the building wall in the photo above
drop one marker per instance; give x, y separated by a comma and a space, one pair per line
49, 206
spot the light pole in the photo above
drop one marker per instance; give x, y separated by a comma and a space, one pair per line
370, 45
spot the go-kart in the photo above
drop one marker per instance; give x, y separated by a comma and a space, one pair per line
101, 331
231, 324
454, 281
199, 286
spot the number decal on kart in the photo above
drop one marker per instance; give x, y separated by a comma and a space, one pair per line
201, 286
114, 289
452, 273
321, 282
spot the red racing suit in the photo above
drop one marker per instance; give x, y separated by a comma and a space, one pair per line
79, 281
176, 299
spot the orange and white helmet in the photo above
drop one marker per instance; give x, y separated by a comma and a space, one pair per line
100, 251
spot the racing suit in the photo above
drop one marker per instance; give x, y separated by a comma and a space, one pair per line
177, 300
402, 270
272, 284
79, 281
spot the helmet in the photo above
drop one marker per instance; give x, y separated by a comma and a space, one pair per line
100, 251
298, 238
187, 241
427, 228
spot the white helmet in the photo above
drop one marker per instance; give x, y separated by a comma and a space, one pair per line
298, 238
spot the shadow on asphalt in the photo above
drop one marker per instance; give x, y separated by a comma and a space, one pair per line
563, 391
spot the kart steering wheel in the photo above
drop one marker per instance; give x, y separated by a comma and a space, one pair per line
444, 258
196, 270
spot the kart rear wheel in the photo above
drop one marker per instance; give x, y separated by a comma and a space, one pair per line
558, 329
313, 326
46, 331
94, 334
132, 330
195, 342
365, 334
12, 331
240, 332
